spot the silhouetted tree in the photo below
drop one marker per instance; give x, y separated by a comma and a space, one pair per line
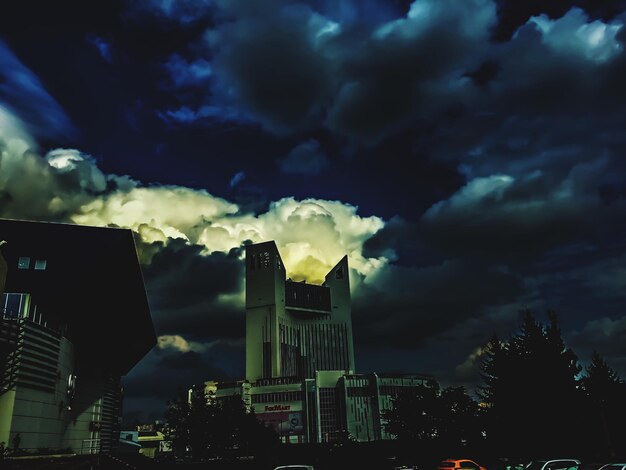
177, 417
606, 395
189, 419
426, 414
218, 428
414, 414
459, 425
239, 431
531, 390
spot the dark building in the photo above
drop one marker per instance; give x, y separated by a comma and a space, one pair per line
74, 318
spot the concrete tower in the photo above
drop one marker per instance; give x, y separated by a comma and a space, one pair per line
294, 329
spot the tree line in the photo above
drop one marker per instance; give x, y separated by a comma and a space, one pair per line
534, 400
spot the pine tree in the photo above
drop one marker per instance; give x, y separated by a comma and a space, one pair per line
601, 384
530, 389
491, 370
606, 394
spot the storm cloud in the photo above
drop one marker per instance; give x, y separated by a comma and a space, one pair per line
466, 156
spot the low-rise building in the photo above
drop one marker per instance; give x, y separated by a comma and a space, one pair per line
74, 318
332, 407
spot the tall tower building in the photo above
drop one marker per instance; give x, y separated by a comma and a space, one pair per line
300, 374
294, 329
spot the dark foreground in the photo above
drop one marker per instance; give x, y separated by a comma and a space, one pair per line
352, 456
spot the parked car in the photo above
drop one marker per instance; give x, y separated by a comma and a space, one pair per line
595, 466
508, 463
613, 466
554, 464
294, 467
456, 464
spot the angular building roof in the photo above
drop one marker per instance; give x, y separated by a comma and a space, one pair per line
87, 278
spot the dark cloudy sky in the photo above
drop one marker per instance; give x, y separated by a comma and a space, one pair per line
468, 155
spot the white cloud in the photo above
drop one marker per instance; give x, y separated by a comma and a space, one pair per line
312, 235
67, 161
472, 17
180, 344
574, 35
475, 191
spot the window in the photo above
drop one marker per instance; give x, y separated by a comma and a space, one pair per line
40, 265
339, 273
562, 465
469, 464
264, 259
23, 262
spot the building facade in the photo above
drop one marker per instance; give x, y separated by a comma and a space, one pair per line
300, 372
294, 329
333, 406
364, 399
72, 300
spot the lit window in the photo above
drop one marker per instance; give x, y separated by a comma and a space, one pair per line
40, 265
23, 262
265, 259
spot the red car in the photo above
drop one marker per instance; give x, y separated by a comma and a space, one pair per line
457, 464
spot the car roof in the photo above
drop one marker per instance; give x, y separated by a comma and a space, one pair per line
457, 460
294, 466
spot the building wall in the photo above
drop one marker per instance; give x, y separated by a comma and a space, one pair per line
334, 406
386, 387
265, 298
41, 403
95, 413
36, 405
300, 335
300, 356
41, 348
358, 410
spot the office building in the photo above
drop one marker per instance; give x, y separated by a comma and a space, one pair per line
294, 329
74, 318
364, 399
300, 373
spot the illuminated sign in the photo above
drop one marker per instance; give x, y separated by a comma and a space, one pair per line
146, 427
284, 423
277, 407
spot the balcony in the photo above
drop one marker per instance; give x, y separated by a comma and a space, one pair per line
307, 297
